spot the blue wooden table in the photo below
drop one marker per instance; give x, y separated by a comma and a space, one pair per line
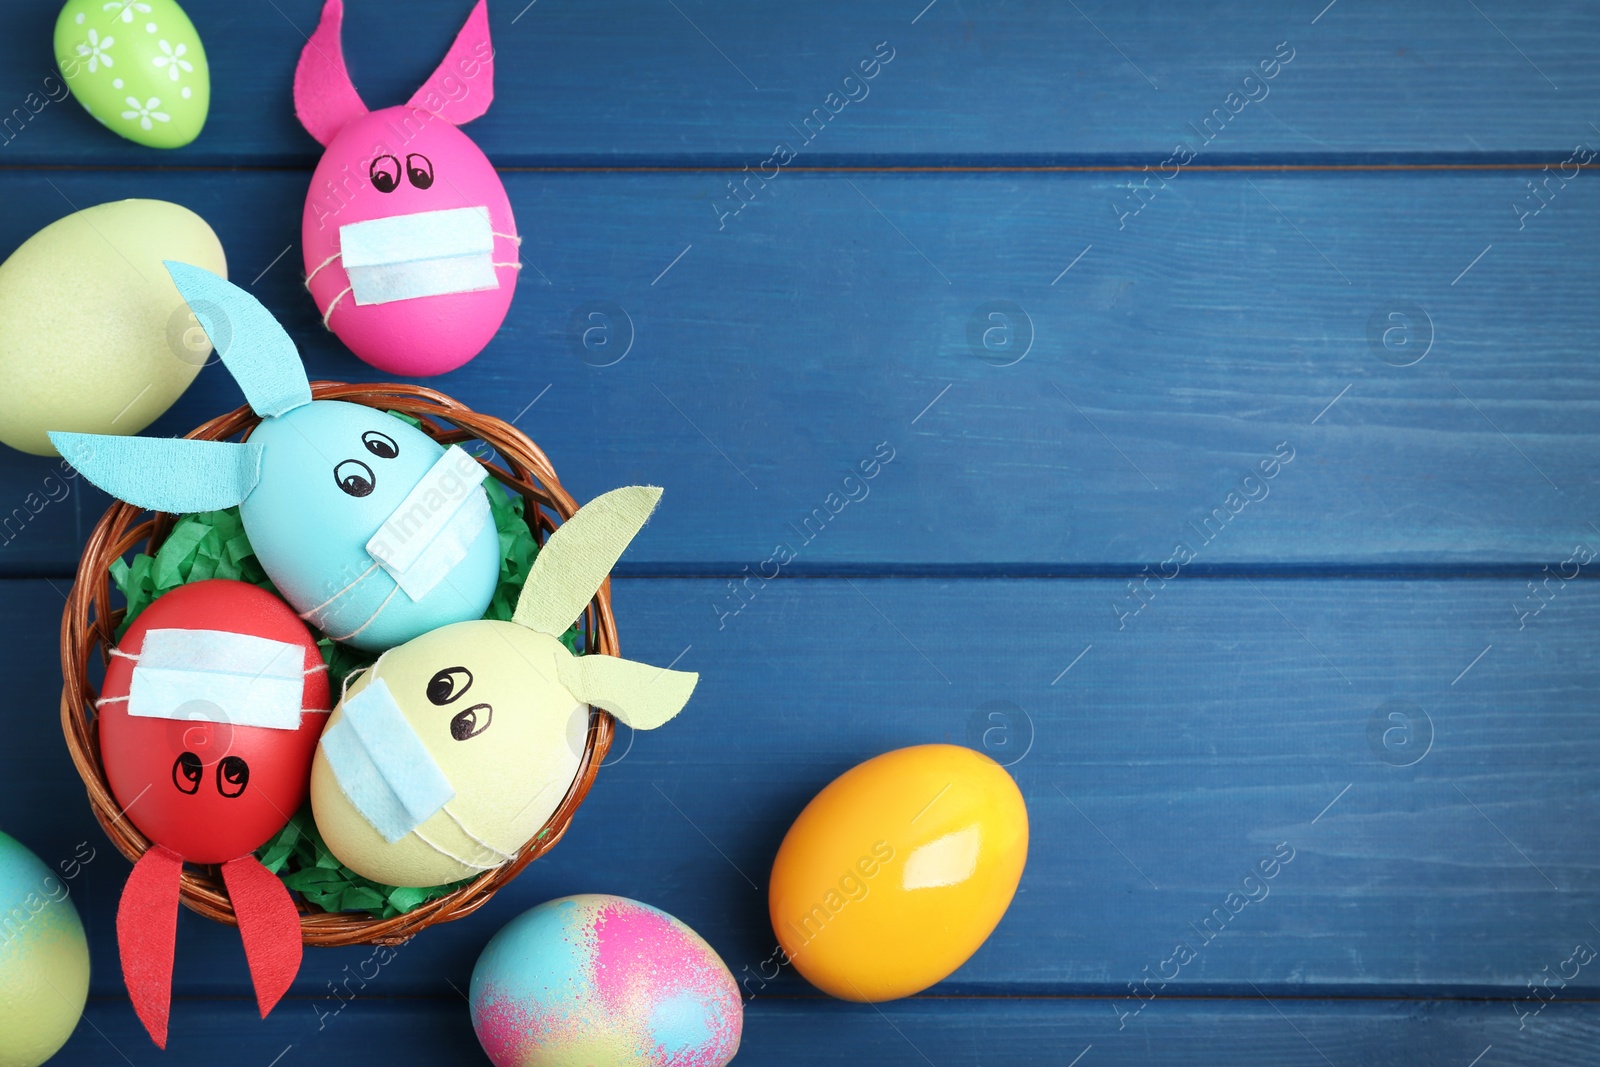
1086, 271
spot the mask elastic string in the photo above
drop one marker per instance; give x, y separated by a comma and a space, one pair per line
370, 669
363, 576
324, 263
514, 239
326, 315
453, 856
344, 687
370, 618
504, 856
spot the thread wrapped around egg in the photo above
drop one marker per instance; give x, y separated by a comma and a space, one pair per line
372, 530
447, 755
212, 704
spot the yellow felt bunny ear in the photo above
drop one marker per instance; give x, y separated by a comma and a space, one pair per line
640, 695
578, 557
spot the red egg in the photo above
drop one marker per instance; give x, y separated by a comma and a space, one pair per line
198, 781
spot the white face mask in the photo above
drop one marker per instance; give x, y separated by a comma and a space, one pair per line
218, 676
426, 253
434, 526
381, 764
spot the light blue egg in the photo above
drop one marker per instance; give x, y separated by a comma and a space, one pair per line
332, 474
373, 531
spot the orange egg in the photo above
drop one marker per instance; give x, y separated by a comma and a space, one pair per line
896, 872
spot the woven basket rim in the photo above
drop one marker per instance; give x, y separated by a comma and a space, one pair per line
89, 622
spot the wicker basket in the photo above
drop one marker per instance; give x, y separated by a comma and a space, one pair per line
89, 623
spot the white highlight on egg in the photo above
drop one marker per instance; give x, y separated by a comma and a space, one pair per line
947, 860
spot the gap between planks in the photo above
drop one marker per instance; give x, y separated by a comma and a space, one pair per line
918, 168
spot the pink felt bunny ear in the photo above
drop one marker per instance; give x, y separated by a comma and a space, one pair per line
463, 85
324, 97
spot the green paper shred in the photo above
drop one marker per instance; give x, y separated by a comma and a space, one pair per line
213, 544
298, 856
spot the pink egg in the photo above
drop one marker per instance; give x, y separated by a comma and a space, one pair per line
410, 290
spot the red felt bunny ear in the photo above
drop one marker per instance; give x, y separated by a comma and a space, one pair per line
463, 85
269, 926
147, 926
324, 97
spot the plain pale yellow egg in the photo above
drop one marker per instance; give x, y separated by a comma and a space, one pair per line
896, 872
93, 334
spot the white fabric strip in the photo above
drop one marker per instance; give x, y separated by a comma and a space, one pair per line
425, 253
381, 764
218, 676
434, 526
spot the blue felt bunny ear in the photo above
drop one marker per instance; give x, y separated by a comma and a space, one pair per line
254, 348
168, 474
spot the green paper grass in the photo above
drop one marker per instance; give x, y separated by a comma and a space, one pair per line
297, 855
212, 544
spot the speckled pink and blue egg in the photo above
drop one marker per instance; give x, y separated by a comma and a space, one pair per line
598, 979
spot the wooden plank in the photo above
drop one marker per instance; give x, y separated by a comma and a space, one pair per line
1172, 353
946, 1032
983, 81
1161, 763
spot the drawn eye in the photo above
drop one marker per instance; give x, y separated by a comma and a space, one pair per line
471, 722
420, 170
186, 773
449, 684
385, 176
354, 477
233, 774
380, 444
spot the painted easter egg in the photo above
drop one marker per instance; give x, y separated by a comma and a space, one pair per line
898, 870
484, 702
390, 256
335, 478
93, 334
212, 705
410, 246
137, 66
603, 979
44, 959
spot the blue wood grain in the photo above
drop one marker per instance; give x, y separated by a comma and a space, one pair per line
1178, 1032
974, 81
1382, 661
1233, 315
1161, 763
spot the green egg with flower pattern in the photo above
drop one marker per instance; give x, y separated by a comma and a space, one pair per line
137, 66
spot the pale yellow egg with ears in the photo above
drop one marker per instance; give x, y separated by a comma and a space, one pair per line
486, 701
449, 753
